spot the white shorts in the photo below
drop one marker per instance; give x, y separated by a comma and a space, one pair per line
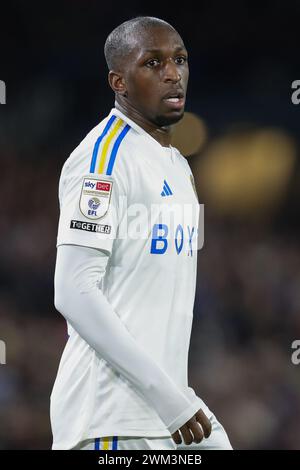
218, 440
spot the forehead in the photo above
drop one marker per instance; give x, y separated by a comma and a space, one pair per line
159, 39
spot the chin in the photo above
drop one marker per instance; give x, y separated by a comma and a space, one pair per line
169, 119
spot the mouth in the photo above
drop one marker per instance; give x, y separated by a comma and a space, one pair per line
174, 100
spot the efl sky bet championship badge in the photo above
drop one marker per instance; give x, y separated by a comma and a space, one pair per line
95, 197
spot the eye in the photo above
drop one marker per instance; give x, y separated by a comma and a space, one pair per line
152, 63
180, 60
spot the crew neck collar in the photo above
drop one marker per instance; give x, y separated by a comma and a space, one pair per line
137, 128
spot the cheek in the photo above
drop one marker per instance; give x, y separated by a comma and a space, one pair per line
185, 76
144, 90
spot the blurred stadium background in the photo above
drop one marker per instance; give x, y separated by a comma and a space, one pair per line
241, 135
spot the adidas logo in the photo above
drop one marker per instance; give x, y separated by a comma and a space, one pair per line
166, 190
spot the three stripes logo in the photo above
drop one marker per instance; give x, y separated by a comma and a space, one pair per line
166, 190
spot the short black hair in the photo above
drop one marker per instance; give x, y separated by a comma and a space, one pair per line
119, 42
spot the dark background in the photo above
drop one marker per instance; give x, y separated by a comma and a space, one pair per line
243, 60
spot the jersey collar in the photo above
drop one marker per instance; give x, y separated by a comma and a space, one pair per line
136, 127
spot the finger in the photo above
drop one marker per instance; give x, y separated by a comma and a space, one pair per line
176, 437
196, 430
186, 434
204, 421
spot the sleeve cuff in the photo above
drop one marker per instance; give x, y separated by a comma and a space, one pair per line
184, 417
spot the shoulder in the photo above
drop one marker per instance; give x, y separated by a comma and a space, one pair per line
105, 153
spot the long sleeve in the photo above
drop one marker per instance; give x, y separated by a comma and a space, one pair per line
80, 300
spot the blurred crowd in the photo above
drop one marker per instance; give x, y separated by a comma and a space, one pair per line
33, 332
246, 317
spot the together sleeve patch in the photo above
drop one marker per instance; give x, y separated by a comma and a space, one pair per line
90, 226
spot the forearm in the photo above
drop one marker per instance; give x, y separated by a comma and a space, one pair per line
85, 307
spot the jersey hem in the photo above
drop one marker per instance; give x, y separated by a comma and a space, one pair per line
110, 432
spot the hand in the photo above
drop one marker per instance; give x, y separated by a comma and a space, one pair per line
193, 429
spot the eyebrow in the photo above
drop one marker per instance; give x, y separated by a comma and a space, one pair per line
158, 51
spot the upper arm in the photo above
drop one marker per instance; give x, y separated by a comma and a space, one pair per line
79, 269
91, 205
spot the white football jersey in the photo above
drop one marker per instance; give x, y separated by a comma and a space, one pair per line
122, 192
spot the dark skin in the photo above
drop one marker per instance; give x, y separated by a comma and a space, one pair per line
150, 88
156, 65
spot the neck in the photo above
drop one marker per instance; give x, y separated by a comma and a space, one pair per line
161, 134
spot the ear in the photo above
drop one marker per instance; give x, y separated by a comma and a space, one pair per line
117, 83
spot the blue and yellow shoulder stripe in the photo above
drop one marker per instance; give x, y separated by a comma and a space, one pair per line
106, 443
107, 146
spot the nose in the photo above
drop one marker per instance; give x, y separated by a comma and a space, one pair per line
171, 73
